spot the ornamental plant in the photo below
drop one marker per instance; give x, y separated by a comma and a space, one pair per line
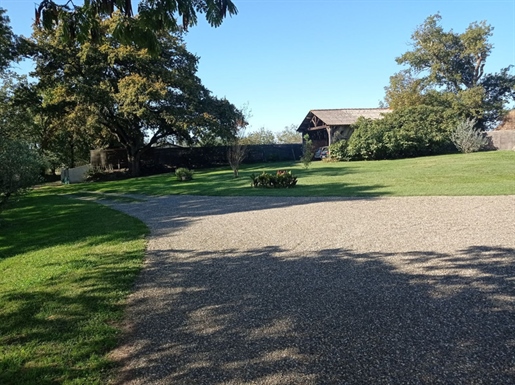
282, 179
467, 138
184, 174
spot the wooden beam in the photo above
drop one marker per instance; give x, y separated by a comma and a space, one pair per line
318, 128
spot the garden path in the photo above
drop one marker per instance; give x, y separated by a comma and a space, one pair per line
239, 290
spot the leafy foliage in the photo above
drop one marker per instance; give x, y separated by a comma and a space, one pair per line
121, 94
282, 179
81, 23
467, 138
20, 165
237, 148
289, 135
408, 132
338, 150
9, 42
20, 168
261, 136
447, 69
183, 174
307, 151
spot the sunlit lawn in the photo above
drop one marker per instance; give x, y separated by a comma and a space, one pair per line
66, 267
485, 173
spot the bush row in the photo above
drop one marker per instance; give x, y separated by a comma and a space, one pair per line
408, 132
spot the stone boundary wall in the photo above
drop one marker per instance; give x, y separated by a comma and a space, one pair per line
501, 140
166, 159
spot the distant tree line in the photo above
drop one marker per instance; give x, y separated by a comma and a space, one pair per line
287, 135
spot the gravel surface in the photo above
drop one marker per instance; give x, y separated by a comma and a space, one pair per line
415, 290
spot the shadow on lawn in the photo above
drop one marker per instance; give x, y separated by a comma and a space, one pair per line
65, 333
220, 182
39, 222
330, 317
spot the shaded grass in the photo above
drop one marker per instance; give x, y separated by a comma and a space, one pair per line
66, 268
484, 173
68, 265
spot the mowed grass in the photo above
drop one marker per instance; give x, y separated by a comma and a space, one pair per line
66, 267
483, 173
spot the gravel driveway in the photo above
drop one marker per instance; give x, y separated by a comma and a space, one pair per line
416, 290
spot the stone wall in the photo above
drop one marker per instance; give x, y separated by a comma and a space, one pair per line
501, 140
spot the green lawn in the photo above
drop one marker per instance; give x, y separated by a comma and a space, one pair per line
66, 267
483, 173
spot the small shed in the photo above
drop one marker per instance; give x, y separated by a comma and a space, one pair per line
325, 127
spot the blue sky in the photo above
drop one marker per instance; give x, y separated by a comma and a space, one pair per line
285, 57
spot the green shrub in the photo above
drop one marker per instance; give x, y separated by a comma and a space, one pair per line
338, 150
404, 133
20, 168
183, 174
282, 179
307, 151
467, 138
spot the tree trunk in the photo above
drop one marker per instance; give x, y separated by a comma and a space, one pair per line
72, 153
133, 158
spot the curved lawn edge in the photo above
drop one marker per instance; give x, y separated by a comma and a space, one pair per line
67, 267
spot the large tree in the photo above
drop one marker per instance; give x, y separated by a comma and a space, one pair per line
446, 69
142, 27
20, 164
112, 91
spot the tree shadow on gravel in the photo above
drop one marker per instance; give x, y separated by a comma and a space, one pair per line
174, 212
269, 316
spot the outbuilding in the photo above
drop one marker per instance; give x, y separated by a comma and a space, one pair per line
325, 127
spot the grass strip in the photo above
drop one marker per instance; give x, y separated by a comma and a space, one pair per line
66, 268
481, 173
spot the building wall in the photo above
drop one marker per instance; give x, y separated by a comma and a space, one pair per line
501, 140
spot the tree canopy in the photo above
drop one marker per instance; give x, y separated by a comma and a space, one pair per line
122, 94
289, 134
19, 162
8, 42
260, 136
447, 69
141, 28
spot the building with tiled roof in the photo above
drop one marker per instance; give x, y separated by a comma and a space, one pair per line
331, 125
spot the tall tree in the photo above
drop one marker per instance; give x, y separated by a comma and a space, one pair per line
152, 17
19, 162
8, 42
136, 98
289, 135
447, 69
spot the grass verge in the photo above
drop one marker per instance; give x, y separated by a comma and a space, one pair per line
482, 173
66, 267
